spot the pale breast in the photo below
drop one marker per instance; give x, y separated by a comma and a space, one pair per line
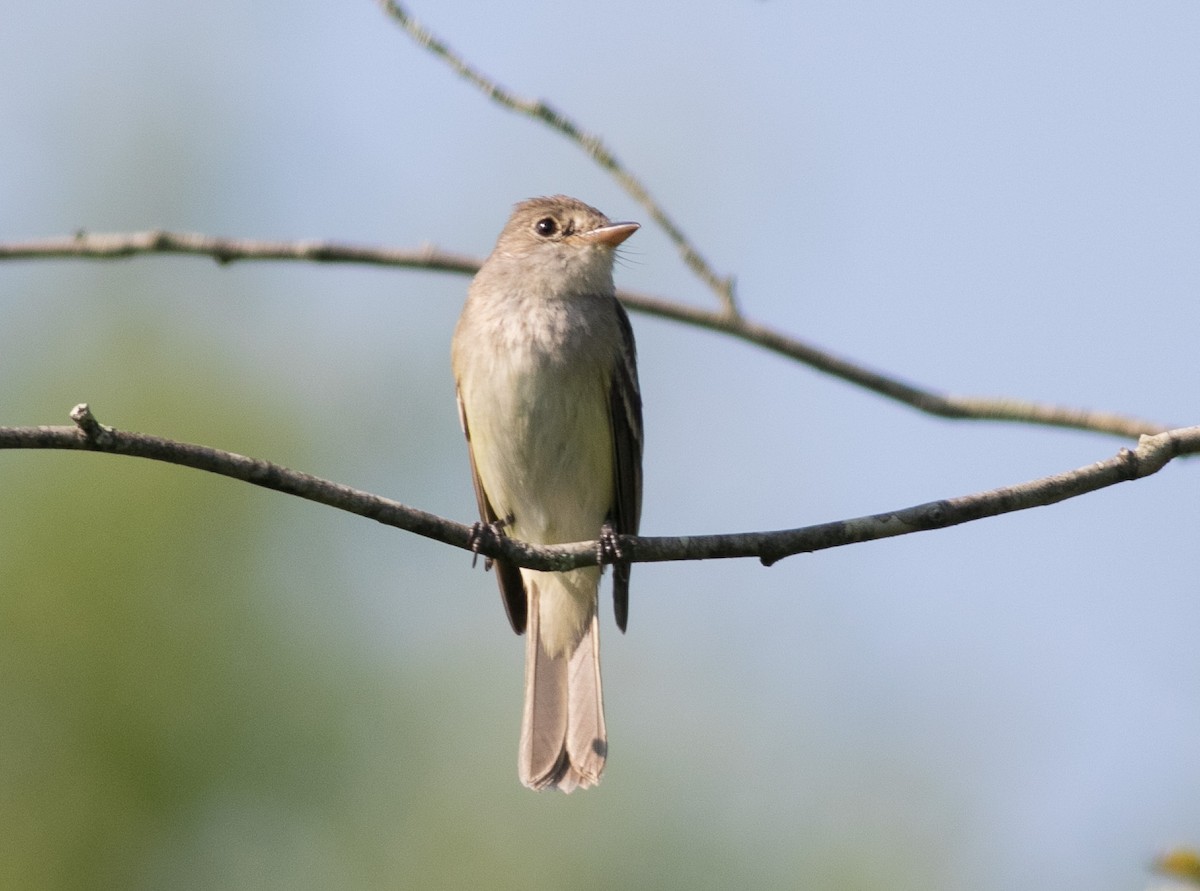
536, 401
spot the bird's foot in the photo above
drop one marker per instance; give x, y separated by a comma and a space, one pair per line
489, 532
608, 550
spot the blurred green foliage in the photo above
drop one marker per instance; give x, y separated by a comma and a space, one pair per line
143, 683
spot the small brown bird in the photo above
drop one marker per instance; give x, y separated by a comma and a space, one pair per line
544, 361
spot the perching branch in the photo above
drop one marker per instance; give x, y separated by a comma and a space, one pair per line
101, 246
589, 142
1150, 456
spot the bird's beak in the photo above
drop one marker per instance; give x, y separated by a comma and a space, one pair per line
612, 234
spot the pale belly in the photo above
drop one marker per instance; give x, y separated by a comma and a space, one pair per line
546, 461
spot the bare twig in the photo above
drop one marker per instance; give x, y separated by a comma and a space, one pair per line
1150, 456
228, 250
91, 436
118, 245
723, 286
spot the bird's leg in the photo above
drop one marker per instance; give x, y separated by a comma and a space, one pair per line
492, 531
608, 550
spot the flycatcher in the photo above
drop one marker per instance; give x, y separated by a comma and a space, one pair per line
548, 397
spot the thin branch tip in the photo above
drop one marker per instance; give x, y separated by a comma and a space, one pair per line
93, 431
591, 144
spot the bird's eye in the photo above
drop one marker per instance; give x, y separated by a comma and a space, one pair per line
546, 227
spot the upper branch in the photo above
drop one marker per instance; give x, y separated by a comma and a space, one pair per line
117, 245
1150, 456
979, 408
229, 250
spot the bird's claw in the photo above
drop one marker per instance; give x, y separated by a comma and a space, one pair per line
608, 549
480, 532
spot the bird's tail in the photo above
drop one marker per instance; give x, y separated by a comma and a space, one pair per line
563, 740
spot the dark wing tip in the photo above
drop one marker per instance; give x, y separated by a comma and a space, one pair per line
512, 592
